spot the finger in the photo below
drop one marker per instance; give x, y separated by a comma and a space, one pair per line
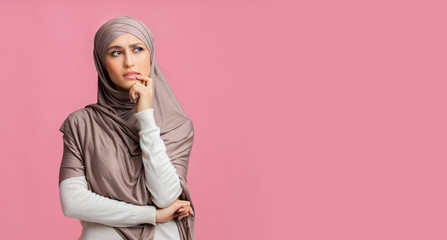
131, 95
138, 85
182, 207
185, 211
186, 214
190, 211
147, 81
141, 88
142, 78
181, 203
183, 216
135, 94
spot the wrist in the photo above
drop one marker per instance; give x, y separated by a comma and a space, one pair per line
144, 102
139, 108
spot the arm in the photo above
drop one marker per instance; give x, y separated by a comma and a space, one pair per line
79, 202
162, 179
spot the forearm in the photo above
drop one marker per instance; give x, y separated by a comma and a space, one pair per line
162, 179
79, 202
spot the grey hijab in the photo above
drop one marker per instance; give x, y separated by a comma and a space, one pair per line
101, 141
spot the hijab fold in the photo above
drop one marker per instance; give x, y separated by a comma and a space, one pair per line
101, 141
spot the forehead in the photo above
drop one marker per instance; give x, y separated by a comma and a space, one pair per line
125, 40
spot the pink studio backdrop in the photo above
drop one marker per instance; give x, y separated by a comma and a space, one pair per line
313, 119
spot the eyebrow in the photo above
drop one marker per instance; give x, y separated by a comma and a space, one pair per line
117, 46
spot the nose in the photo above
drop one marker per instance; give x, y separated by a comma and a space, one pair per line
128, 61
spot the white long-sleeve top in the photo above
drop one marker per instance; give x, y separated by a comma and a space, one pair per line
162, 179
98, 214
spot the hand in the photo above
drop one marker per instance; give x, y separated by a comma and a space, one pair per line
184, 212
174, 210
143, 91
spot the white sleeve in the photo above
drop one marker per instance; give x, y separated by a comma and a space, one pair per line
162, 179
79, 202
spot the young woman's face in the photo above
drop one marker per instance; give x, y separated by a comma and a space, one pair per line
125, 54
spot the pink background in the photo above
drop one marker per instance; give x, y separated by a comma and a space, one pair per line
313, 119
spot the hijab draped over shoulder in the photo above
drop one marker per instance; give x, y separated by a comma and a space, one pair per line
101, 141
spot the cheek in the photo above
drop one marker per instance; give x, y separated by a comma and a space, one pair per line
112, 68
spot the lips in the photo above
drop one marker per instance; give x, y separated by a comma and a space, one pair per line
130, 75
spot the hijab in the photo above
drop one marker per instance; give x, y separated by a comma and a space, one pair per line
101, 140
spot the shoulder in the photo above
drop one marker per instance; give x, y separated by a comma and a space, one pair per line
76, 119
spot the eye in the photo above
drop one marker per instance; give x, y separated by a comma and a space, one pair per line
113, 53
142, 49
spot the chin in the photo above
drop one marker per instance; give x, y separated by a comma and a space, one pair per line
123, 88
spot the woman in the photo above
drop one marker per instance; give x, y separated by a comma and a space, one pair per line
125, 161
